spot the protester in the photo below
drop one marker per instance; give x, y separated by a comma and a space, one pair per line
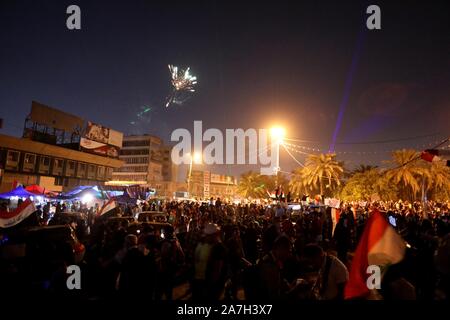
273, 286
256, 251
172, 258
332, 273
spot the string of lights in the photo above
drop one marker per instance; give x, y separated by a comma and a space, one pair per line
369, 142
295, 159
362, 152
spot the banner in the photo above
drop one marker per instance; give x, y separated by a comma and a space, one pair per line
333, 203
99, 133
99, 148
10, 219
115, 138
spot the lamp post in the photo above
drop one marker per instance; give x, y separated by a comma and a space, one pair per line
277, 135
196, 157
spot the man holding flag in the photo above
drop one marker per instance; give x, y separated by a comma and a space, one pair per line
380, 246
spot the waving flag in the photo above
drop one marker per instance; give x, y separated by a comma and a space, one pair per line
335, 215
12, 218
433, 155
380, 245
107, 208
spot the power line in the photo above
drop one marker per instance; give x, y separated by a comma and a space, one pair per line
368, 142
418, 157
301, 164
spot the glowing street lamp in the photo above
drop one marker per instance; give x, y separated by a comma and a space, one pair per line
197, 158
277, 133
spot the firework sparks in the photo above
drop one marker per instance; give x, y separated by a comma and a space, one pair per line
182, 82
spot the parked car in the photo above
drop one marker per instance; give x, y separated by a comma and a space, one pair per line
77, 220
54, 242
152, 216
157, 227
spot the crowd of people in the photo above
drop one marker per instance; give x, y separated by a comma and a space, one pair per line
224, 251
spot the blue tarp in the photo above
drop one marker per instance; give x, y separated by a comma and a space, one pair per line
79, 192
17, 192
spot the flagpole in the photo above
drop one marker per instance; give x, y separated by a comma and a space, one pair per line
425, 215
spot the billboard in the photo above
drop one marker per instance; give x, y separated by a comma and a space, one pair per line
99, 133
53, 118
99, 148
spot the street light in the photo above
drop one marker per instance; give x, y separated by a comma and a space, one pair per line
197, 158
277, 134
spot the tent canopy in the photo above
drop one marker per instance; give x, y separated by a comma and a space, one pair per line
17, 192
80, 191
35, 189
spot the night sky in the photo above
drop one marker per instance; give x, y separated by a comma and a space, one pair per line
258, 64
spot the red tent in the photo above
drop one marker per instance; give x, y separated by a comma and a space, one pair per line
36, 189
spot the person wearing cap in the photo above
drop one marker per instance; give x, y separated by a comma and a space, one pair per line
209, 266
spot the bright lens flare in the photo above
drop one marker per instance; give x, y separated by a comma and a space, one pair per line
87, 198
277, 133
197, 158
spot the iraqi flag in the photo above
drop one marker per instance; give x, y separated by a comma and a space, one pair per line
379, 245
108, 208
12, 218
335, 214
435, 155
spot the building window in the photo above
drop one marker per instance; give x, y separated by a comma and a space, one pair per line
60, 181
91, 171
134, 152
58, 165
44, 165
132, 169
109, 172
135, 160
29, 162
12, 160
70, 168
136, 143
81, 170
101, 172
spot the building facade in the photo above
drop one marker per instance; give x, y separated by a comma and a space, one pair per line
58, 151
53, 167
142, 162
204, 185
147, 162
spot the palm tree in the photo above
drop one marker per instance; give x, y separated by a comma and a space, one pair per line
438, 178
251, 185
320, 168
296, 184
406, 171
362, 168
